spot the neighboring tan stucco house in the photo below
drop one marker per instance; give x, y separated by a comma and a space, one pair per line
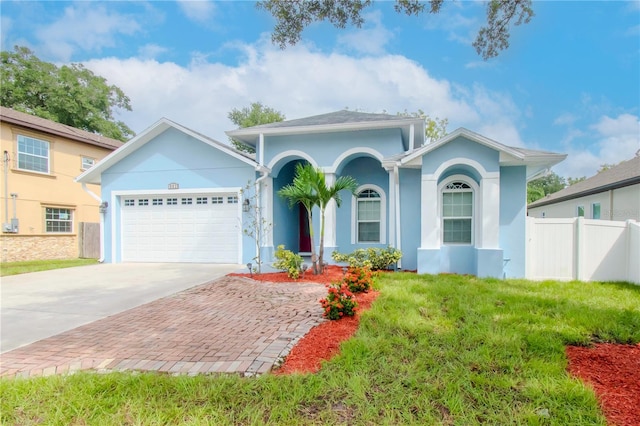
42, 206
613, 194
455, 205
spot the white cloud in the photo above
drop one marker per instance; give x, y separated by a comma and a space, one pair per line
87, 26
300, 82
197, 10
151, 51
369, 41
616, 139
565, 119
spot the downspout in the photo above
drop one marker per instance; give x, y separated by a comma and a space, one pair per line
6, 187
396, 173
102, 214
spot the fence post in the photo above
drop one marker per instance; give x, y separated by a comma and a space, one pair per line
579, 250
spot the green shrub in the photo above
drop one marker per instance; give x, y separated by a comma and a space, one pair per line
372, 258
339, 302
286, 260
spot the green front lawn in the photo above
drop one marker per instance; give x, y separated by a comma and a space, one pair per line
14, 268
432, 350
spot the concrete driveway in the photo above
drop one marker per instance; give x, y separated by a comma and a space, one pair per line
42, 304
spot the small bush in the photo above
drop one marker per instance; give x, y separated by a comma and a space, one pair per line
286, 260
339, 302
372, 258
358, 280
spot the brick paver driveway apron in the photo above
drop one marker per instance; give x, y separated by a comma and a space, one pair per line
232, 325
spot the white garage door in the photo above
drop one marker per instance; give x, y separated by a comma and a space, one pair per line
181, 228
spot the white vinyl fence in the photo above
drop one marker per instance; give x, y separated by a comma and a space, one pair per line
583, 249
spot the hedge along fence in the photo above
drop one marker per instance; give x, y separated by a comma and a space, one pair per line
583, 249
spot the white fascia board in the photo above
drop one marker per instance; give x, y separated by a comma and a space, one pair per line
468, 134
93, 175
249, 133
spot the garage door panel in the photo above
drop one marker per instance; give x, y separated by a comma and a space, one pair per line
195, 229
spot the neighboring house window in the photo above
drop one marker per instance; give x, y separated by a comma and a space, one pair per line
87, 163
580, 211
595, 210
544, 214
457, 213
58, 220
33, 154
368, 216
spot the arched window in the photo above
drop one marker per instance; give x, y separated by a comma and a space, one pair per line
457, 213
368, 216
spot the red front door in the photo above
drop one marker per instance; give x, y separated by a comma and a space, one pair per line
305, 238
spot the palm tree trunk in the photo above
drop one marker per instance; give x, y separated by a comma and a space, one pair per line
321, 257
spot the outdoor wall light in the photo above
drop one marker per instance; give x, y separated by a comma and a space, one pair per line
250, 268
246, 205
103, 207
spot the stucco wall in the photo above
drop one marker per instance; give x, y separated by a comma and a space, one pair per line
513, 199
18, 248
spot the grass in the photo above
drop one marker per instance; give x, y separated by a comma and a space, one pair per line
432, 350
14, 268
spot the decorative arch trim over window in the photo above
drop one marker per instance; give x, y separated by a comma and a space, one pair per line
369, 216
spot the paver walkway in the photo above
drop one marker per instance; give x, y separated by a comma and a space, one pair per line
232, 325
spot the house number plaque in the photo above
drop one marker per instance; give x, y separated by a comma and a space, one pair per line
174, 185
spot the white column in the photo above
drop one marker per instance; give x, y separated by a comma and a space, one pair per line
392, 208
266, 206
261, 149
429, 213
330, 216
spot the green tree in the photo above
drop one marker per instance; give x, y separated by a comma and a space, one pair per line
293, 16
309, 188
71, 95
253, 115
573, 181
544, 186
435, 128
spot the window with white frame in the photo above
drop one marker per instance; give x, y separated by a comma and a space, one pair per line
595, 210
368, 216
33, 154
58, 220
87, 163
457, 213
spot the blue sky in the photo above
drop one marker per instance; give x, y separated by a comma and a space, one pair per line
570, 82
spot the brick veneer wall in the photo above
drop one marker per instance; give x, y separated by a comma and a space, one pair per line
17, 248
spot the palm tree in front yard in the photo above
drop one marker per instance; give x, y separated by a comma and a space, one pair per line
309, 188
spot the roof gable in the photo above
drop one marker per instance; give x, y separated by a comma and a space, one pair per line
43, 125
93, 175
620, 175
536, 161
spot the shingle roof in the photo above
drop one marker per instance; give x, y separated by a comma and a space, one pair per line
29, 121
337, 117
624, 174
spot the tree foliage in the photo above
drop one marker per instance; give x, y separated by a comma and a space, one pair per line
310, 188
293, 16
435, 128
71, 95
253, 115
544, 186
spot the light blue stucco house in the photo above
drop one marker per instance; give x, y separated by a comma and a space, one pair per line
454, 205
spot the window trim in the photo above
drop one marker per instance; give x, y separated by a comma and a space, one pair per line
17, 159
70, 221
383, 214
82, 165
475, 190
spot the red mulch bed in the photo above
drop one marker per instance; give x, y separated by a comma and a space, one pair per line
614, 373
323, 341
612, 370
